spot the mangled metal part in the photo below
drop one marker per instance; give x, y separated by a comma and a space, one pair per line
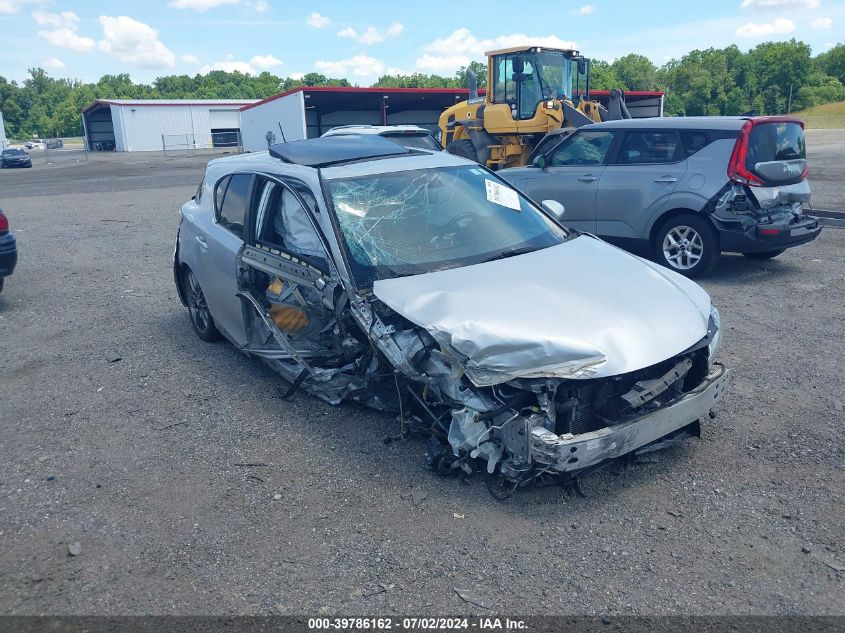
647, 390
572, 452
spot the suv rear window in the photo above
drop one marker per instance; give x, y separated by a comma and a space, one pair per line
775, 141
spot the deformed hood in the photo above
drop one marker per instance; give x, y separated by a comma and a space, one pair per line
581, 309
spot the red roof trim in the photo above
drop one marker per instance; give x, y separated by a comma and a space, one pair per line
452, 91
98, 102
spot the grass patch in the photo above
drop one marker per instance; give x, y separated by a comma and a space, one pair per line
823, 117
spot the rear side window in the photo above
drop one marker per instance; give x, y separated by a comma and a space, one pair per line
693, 141
232, 196
583, 148
774, 142
649, 148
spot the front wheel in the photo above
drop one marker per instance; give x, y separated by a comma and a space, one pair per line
464, 148
687, 244
765, 254
201, 319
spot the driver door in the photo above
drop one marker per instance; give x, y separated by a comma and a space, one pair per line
571, 176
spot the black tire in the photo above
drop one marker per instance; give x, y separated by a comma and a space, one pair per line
765, 254
463, 148
200, 315
687, 244
2, 283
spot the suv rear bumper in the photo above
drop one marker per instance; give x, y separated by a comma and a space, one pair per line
760, 238
8, 254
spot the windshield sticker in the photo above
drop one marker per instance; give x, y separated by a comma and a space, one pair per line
499, 194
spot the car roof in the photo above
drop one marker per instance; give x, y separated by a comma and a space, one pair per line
340, 148
675, 123
374, 129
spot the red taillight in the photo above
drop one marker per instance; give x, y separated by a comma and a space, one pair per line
737, 171
770, 231
4, 223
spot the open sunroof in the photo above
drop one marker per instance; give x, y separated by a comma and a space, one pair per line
333, 150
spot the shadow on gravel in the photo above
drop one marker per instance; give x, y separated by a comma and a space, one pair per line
735, 270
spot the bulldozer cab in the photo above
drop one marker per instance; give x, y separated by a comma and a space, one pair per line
523, 78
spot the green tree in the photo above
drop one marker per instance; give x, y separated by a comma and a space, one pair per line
635, 72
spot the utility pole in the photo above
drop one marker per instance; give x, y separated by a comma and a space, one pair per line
789, 107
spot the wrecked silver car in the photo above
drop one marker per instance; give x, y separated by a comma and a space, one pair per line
422, 284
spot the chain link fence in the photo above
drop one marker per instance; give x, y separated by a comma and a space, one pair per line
192, 144
65, 150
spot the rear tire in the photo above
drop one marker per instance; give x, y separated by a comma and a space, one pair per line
687, 244
765, 254
463, 148
200, 315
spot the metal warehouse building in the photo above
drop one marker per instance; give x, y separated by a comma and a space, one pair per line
130, 125
309, 111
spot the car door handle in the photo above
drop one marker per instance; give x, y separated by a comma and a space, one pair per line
587, 178
203, 243
666, 179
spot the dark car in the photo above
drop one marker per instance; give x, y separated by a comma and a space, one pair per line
682, 190
8, 250
15, 158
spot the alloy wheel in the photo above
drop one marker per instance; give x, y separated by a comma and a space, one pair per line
683, 247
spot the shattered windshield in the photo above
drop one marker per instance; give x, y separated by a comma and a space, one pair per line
418, 221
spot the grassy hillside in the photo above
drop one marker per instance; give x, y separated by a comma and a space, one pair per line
830, 115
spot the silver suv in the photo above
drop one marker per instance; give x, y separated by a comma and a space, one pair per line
681, 190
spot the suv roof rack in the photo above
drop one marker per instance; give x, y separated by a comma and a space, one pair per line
334, 150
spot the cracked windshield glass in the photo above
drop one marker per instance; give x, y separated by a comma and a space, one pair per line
419, 221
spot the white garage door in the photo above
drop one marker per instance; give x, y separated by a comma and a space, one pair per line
224, 119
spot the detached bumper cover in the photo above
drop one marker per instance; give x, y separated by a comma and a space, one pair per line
8, 254
566, 453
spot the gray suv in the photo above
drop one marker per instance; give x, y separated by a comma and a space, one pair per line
681, 190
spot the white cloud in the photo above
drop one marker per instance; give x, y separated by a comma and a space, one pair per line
317, 21
780, 26
296, 76
781, 4
134, 42
821, 23
358, 66
205, 5
189, 59
13, 6
586, 9
53, 63
65, 19
63, 31
265, 61
200, 5
447, 54
229, 66
372, 35
252, 67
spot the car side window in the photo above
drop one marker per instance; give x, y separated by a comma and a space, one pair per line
649, 148
693, 141
283, 222
583, 148
231, 197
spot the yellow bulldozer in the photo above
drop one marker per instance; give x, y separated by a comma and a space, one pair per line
529, 96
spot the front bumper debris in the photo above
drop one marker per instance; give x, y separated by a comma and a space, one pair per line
567, 453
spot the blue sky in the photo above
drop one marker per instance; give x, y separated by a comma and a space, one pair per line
361, 40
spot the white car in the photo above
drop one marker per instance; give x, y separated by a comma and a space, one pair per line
410, 136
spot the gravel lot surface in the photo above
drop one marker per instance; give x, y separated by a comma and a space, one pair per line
185, 485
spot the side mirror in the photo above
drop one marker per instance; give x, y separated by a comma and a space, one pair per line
539, 162
555, 209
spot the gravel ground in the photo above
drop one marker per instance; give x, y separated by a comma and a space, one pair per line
190, 487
